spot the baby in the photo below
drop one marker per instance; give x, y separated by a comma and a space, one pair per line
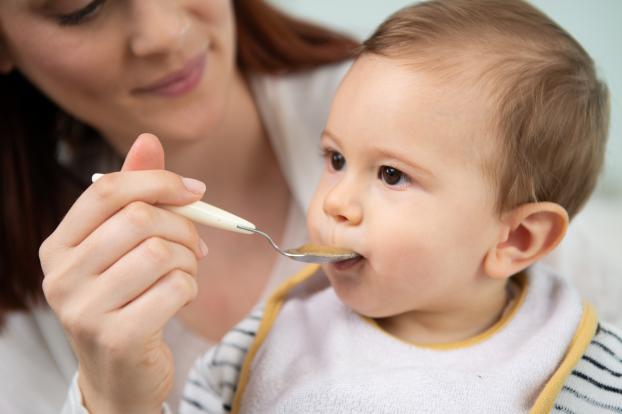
462, 141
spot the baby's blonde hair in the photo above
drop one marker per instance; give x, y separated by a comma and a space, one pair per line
551, 110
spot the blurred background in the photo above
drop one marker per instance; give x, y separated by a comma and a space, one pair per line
595, 24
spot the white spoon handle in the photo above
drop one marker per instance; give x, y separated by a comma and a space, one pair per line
203, 213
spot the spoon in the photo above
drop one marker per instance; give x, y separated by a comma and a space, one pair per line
203, 213
310, 253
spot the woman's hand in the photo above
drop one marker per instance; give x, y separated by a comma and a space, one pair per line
116, 269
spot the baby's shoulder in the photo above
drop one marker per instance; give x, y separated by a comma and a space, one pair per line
605, 352
595, 382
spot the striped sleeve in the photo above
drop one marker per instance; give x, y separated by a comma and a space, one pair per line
212, 382
595, 384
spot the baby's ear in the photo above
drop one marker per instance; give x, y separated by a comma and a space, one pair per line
528, 233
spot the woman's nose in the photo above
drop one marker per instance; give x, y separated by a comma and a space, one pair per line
342, 202
158, 27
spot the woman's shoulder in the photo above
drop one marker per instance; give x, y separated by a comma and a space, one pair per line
21, 341
36, 363
291, 102
302, 87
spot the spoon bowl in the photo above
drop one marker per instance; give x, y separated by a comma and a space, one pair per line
308, 253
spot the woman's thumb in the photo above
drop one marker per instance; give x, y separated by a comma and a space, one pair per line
146, 154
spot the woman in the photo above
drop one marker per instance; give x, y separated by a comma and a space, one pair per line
237, 92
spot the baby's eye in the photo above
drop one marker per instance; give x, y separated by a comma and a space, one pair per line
392, 176
336, 160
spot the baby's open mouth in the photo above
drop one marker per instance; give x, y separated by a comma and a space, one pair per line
349, 263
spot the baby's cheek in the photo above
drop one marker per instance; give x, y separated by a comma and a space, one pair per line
389, 259
402, 264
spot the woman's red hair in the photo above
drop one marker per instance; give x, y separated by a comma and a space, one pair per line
271, 42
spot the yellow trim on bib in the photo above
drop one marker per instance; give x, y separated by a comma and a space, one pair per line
582, 338
271, 310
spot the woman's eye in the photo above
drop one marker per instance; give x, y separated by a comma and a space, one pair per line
336, 160
80, 15
392, 176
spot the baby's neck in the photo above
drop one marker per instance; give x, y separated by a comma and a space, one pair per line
451, 325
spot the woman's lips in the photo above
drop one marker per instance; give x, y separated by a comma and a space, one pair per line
179, 82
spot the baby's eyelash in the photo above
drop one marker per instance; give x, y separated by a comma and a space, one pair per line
326, 152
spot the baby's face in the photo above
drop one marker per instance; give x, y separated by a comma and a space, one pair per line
403, 185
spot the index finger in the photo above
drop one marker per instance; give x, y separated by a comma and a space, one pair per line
114, 191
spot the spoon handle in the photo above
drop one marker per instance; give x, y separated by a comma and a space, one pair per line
203, 213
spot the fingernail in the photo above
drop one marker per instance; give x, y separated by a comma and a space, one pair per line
203, 247
194, 186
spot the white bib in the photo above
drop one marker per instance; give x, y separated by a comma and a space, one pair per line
320, 357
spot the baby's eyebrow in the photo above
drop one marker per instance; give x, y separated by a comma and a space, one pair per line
401, 157
330, 135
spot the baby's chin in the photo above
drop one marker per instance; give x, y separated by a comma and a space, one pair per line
351, 289
363, 303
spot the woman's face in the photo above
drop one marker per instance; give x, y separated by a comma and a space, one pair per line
126, 66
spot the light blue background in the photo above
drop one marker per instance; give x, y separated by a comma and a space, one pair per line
597, 25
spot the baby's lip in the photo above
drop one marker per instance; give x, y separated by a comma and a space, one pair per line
348, 264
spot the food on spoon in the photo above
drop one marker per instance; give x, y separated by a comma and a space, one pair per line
318, 249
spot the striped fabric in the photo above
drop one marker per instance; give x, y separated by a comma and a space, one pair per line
595, 385
213, 380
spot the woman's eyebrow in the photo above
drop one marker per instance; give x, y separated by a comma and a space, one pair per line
33, 4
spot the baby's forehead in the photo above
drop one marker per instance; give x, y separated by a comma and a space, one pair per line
417, 101
471, 55
462, 90
468, 78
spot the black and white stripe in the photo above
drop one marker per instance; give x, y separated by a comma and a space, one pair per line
213, 380
595, 385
